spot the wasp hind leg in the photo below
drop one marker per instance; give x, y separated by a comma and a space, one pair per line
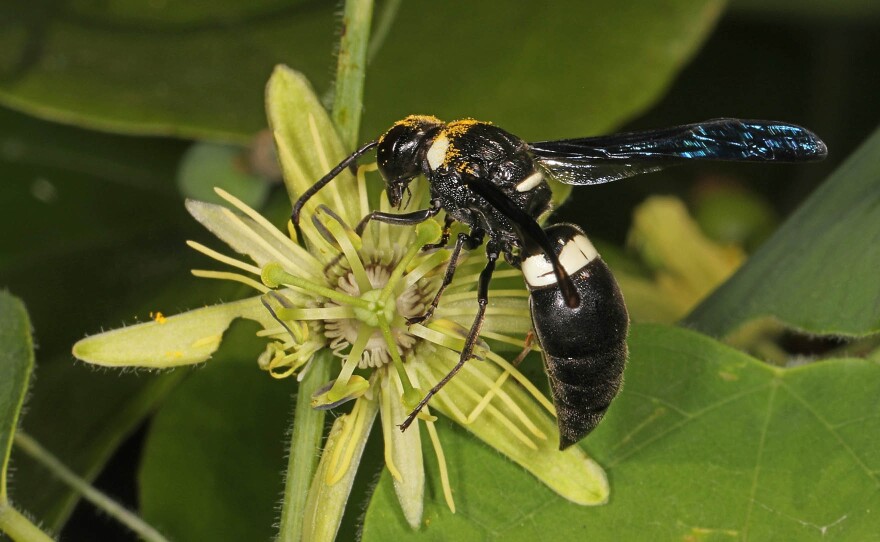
470, 341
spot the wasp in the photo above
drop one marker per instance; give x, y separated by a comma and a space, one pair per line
496, 184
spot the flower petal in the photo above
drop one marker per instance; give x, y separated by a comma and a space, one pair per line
404, 458
331, 485
308, 148
532, 444
246, 236
182, 339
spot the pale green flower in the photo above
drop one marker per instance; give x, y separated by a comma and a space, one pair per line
342, 297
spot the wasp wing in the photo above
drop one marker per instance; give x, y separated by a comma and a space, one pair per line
596, 160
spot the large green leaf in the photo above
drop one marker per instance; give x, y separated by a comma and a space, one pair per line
819, 271
181, 68
553, 70
212, 467
16, 364
704, 443
199, 71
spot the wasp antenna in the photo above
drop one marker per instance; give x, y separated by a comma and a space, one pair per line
325, 180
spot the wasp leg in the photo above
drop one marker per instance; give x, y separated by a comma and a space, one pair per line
463, 240
471, 339
264, 299
527, 347
405, 219
444, 238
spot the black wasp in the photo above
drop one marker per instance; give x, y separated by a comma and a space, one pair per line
496, 183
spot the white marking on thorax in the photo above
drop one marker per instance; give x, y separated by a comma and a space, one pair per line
530, 182
575, 255
437, 151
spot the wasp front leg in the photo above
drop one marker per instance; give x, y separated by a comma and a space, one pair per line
403, 219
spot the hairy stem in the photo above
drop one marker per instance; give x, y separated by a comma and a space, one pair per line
348, 98
308, 424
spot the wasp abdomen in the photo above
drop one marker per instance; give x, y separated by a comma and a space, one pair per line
584, 347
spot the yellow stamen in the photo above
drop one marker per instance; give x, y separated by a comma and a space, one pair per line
425, 232
430, 263
343, 236
441, 462
338, 391
500, 337
222, 258
411, 396
525, 382
388, 426
260, 241
342, 454
362, 187
505, 398
468, 281
490, 311
225, 275
302, 255
487, 397
472, 295
338, 312
274, 275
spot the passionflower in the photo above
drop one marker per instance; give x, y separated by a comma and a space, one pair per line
333, 295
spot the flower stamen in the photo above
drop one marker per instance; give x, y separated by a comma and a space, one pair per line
362, 186
351, 363
352, 424
234, 277
222, 258
388, 430
301, 254
441, 463
273, 276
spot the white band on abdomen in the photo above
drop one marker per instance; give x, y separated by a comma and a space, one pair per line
577, 253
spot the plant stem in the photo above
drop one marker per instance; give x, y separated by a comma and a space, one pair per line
308, 424
305, 443
18, 527
112, 508
348, 98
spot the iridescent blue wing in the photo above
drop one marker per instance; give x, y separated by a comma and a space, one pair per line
596, 160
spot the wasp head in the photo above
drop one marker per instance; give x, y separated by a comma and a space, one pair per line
401, 152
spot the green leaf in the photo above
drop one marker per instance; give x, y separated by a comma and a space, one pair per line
16, 364
209, 165
704, 442
197, 71
565, 69
213, 463
186, 69
819, 271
